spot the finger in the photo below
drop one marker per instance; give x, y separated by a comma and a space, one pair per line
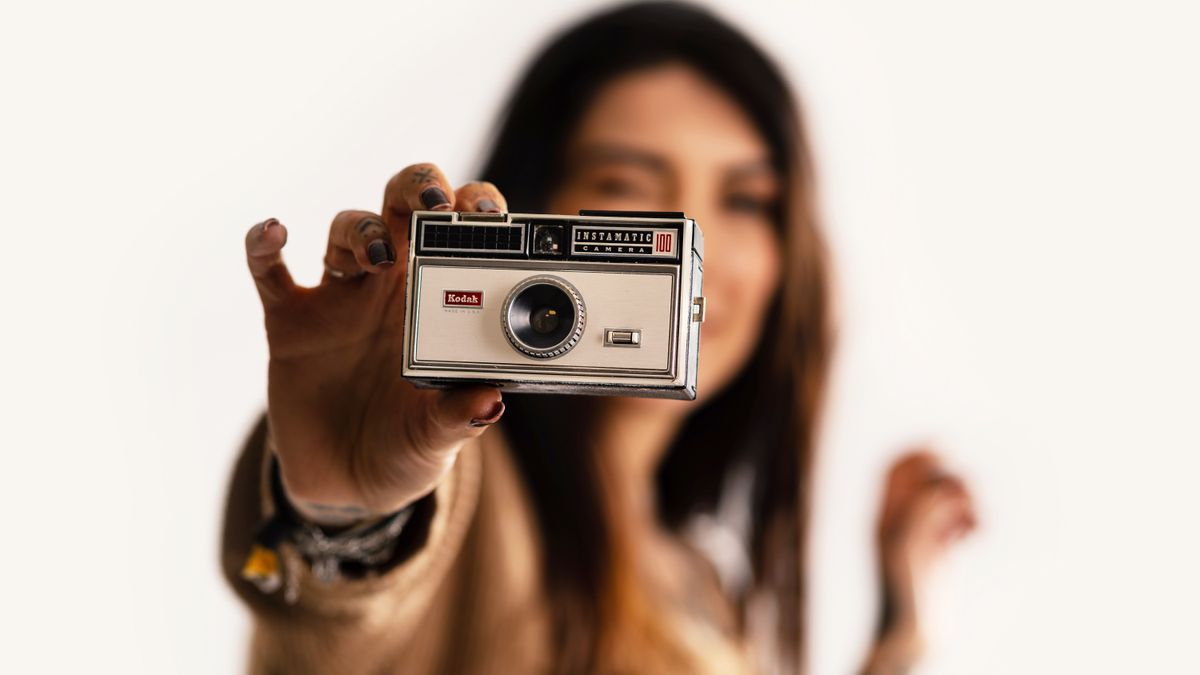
912, 497
264, 241
940, 509
480, 197
419, 186
341, 263
948, 490
957, 523
966, 524
905, 478
969, 514
461, 413
914, 466
359, 242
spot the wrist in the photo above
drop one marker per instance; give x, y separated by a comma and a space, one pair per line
898, 644
327, 515
896, 652
330, 540
332, 516
321, 510
287, 539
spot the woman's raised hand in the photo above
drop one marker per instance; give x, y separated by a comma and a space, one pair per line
353, 438
925, 511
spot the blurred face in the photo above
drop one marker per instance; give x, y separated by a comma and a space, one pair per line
664, 139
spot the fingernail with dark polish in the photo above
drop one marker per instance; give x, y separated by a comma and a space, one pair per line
432, 197
268, 223
492, 417
487, 206
380, 252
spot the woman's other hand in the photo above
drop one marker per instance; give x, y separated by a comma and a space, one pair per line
925, 511
353, 438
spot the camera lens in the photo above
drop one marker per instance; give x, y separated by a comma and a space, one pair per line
543, 317
544, 320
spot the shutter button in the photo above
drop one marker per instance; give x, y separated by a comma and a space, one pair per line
622, 337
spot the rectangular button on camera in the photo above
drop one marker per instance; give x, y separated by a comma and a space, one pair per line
626, 337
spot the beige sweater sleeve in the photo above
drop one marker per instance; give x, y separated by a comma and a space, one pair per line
347, 625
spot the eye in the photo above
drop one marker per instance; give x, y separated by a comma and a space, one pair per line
750, 204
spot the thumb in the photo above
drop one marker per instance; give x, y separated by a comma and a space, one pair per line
461, 413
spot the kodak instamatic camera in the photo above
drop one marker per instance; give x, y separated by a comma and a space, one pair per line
606, 302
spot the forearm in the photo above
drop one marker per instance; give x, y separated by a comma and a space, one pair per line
431, 539
898, 645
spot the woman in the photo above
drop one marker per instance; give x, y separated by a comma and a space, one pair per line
582, 534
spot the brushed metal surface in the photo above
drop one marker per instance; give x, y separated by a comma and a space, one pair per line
454, 334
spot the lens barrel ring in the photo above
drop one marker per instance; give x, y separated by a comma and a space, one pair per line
572, 333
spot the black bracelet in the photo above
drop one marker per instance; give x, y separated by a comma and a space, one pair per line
350, 553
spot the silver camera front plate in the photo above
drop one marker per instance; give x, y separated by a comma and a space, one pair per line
596, 304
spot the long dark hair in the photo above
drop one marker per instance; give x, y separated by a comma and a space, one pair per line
765, 418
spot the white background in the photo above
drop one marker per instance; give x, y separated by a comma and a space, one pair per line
1010, 188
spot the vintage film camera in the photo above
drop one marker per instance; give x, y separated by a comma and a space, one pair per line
606, 302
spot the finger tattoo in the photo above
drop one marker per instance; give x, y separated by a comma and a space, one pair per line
367, 223
423, 175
